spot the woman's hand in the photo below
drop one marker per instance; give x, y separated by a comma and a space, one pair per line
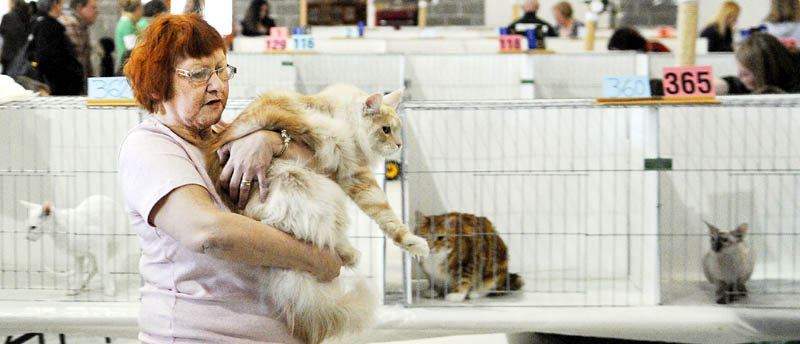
246, 159
328, 265
250, 157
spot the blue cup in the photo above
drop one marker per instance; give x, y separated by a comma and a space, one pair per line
298, 30
503, 31
360, 29
531, 35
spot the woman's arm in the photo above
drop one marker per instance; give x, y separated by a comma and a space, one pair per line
233, 237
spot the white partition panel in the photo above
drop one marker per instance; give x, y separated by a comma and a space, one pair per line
461, 77
578, 75
370, 72
258, 73
563, 183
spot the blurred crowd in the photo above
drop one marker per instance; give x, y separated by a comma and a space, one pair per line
47, 46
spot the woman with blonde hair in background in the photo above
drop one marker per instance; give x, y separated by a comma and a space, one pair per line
783, 20
566, 25
719, 31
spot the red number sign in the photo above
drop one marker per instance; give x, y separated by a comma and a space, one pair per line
279, 31
688, 81
276, 43
510, 42
789, 42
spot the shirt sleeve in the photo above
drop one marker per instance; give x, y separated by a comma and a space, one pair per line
151, 165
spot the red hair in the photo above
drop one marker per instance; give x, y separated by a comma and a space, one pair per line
168, 39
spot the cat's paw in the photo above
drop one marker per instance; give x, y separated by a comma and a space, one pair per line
416, 246
350, 257
477, 294
455, 297
429, 294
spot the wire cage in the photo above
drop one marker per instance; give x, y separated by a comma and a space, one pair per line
604, 205
61, 152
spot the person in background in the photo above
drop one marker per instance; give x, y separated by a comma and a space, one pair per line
152, 9
107, 58
127, 33
719, 31
194, 6
14, 28
76, 20
198, 257
256, 20
765, 66
530, 7
783, 20
54, 51
566, 25
628, 38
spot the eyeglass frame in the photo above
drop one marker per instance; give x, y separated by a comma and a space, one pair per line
188, 73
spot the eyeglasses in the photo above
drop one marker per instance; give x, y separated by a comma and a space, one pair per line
201, 76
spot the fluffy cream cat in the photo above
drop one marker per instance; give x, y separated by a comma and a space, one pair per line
349, 131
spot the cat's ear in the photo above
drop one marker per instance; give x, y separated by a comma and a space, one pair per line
740, 231
373, 104
712, 229
393, 99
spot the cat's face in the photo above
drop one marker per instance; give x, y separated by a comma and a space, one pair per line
433, 230
721, 240
384, 122
37, 222
442, 231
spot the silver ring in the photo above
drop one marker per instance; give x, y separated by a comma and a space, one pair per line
245, 183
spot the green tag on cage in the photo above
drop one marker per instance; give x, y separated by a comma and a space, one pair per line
658, 164
287, 63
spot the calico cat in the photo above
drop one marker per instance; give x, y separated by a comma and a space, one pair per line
348, 130
729, 264
467, 257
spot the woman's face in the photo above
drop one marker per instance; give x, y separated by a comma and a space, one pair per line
197, 106
746, 76
560, 18
732, 19
262, 11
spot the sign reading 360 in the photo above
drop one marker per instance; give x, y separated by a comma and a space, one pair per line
688, 81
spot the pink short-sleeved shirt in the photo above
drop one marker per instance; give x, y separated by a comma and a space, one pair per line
187, 297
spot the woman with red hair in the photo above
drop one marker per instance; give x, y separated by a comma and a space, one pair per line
198, 257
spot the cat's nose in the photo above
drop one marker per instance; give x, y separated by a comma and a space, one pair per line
399, 145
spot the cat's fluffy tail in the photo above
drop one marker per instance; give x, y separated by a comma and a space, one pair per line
317, 311
513, 282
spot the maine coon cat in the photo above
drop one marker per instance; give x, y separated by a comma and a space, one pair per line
348, 131
468, 258
83, 234
729, 264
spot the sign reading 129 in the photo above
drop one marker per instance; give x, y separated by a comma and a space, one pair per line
688, 81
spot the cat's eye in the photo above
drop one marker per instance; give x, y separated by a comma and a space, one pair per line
387, 130
440, 238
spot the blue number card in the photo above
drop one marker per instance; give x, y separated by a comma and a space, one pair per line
302, 42
109, 88
626, 87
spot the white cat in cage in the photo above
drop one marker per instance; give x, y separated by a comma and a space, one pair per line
83, 234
